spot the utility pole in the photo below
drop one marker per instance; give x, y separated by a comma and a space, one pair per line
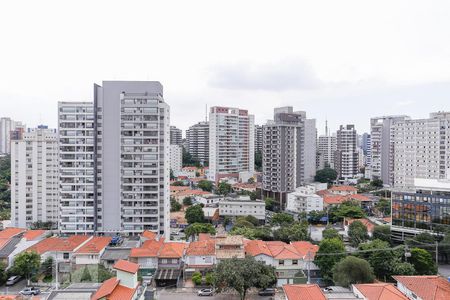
309, 267
437, 256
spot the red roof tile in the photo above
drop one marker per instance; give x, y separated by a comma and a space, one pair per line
369, 225
358, 197
172, 250
202, 248
106, 288
204, 236
59, 244
257, 247
282, 250
333, 199
122, 293
303, 292
33, 234
380, 291
343, 188
426, 287
95, 245
10, 232
303, 247
126, 266
149, 235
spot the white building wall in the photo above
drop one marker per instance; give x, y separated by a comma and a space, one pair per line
176, 158
242, 208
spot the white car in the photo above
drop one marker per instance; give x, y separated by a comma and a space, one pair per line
205, 292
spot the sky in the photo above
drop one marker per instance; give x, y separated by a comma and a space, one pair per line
341, 61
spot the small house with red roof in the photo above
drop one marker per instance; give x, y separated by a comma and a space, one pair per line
424, 287
343, 190
61, 249
377, 291
366, 222
303, 292
146, 257
200, 256
90, 252
122, 287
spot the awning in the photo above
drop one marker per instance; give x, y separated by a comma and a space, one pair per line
167, 274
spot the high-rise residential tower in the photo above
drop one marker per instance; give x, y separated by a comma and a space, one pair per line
197, 138
258, 138
327, 148
176, 158
231, 142
34, 178
118, 173
6, 127
421, 149
76, 167
176, 136
289, 153
367, 148
346, 156
382, 147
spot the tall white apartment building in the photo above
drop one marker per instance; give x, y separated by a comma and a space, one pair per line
197, 138
176, 158
258, 138
176, 136
382, 147
6, 126
366, 141
421, 149
231, 142
346, 157
78, 212
115, 160
34, 178
327, 148
132, 157
289, 153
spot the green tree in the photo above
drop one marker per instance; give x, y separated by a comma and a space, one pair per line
2, 273
382, 232
357, 233
86, 276
350, 209
324, 260
209, 278
47, 267
271, 204
172, 176
315, 216
174, 205
282, 219
197, 278
258, 161
352, 270
423, 262
326, 175
243, 274
224, 188
403, 268
194, 214
103, 273
291, 233
187, 201
384, 206
195, 229
377, 183
178, 183
27, 263
205, 185
329, 233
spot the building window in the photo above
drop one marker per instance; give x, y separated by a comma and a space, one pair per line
65, 255
295, 262
281, 262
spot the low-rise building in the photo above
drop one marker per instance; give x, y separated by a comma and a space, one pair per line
112, 255
208, 200
190, 193
90, 252
343, 190
423, 287
242, 206
124, 286
304, 199
303, 292
200, 257
147, 257
229, 246
377, 291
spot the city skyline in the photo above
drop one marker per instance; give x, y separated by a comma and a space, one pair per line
287, 62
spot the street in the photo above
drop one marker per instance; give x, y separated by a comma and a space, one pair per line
15, 289
192, 294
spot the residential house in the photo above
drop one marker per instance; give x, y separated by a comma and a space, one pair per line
366, 222
377, 291
112, 255
209, 200
170, 263
423, 287
147, 257
90, 252
175, 189
200, 256
178, 220
303, 292
190, 193
122, 287
343, 190
229, 246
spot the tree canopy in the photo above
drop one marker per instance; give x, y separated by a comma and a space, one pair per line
282, 219
382, 232
205, 185
357, 233
351, 270
325, 261
27, 263
329, 233
243, 274
224, 188
174, 205
194, 214
423, 262
196, 228
326, 175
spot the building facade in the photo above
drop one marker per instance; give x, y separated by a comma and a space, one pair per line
197, 137
176, 158
176, 136
34, 178
242, 207
421, 149
305, 199
382, 147
289, 153
6, 127
366, 145
76, 167
115, 160
426, 208
327, 148
258, 138
231, 142
346, 156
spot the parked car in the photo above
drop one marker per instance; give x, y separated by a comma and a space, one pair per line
30, 291
267, 292
205, 292
13, 280
116, 240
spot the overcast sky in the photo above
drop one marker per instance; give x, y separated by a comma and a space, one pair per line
344, 61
